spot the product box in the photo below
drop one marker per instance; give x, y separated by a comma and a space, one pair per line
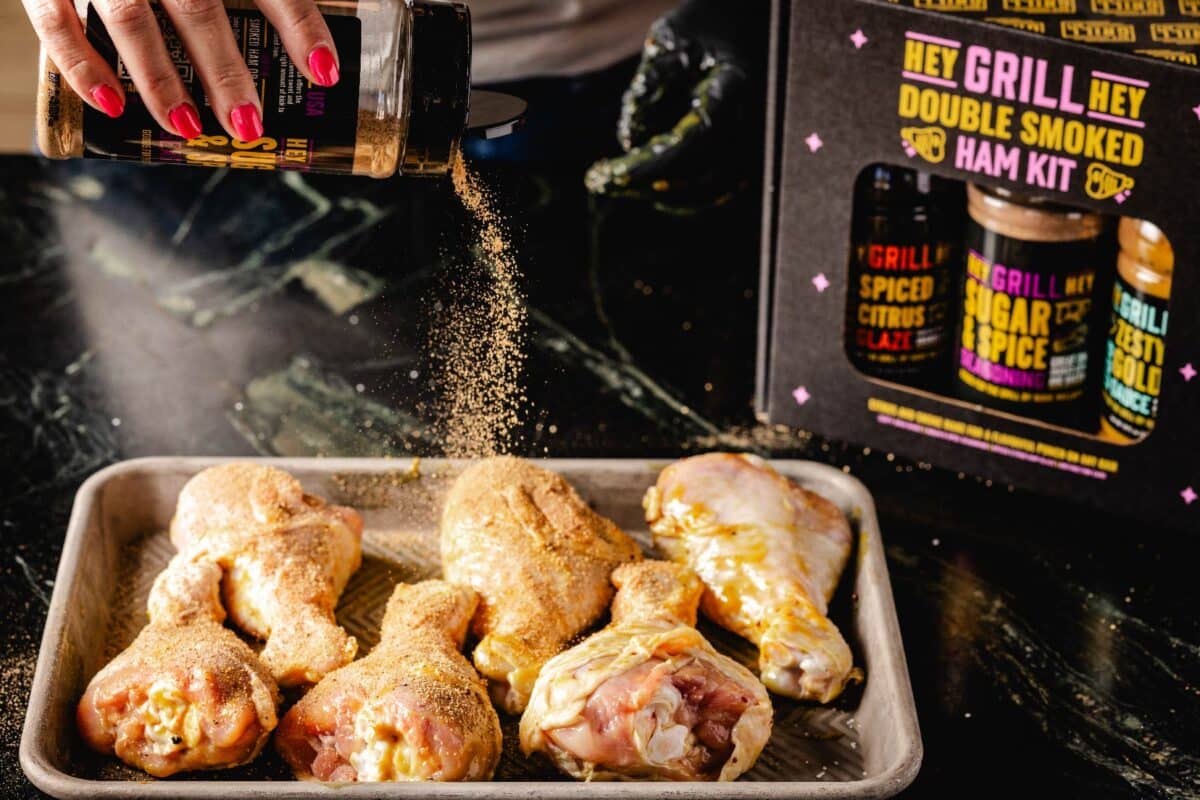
981, 246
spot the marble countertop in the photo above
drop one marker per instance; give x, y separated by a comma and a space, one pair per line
167, 311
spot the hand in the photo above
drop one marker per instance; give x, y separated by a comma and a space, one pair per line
691, 120
203, 27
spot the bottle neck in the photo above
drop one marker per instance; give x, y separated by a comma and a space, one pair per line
440, 88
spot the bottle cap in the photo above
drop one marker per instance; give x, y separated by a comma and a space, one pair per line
1146, 242
494, 114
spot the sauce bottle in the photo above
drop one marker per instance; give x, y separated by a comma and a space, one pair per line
901, 273
400, 105
1028, 314
1133, 360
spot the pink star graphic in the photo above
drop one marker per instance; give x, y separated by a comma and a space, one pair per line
1196, 111
802, 396
1188, 372
821, 282
859, 38
814, 142
1189, 495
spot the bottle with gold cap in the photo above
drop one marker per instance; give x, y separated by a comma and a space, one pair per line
1133, 361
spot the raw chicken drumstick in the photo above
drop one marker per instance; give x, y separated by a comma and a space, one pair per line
287, 557
770, 554
648, 696
540, 559
187, 694
414, 709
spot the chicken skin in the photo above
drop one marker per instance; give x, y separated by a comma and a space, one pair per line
540, 560
770, 554
187, 694
648, 697
414, 709
286, 556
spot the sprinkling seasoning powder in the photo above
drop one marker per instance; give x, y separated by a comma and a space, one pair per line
478, 338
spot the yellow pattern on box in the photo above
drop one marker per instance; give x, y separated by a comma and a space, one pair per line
1095, 30
1020, 23
1130, 8
1040, 6
1176, 32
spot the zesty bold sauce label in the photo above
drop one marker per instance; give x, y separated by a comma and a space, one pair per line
1025, 329
306, 126
1133, 361
901, 295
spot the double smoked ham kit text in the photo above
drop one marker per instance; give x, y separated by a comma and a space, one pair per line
981, 249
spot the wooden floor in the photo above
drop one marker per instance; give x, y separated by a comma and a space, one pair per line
18, 78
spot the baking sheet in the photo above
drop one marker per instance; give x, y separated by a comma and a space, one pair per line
865, 745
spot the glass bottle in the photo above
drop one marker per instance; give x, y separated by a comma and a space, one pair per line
400, 105
1134, 355
901, 274
1028, 314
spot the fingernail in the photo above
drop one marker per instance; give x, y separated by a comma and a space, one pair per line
323, 65
186, 120
109, 100
247, 123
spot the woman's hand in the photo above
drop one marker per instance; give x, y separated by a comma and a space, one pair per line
203, 27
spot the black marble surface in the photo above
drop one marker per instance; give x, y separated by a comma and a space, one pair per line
1054, 651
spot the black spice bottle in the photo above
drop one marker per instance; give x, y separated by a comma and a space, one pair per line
402, 105
902, 270
1029, 317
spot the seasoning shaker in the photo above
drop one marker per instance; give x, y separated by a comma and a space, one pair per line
400, 107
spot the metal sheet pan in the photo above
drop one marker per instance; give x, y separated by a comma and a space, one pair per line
867, 745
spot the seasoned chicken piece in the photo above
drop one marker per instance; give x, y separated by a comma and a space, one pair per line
648, 697
187, 694
287, 557
414, 709
540, 559
769, 554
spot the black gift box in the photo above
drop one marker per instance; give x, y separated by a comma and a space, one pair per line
1116, 72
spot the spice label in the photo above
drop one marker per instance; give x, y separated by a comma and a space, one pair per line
900, 305
1133, 360
1025, 329
306, 126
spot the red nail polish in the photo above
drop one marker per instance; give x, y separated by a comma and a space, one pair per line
109, 100
323, 65
247, 123
186, 120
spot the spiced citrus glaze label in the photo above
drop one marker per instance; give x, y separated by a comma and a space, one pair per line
1025, 329
307, 126
900, 301
1133, 360
1001, 114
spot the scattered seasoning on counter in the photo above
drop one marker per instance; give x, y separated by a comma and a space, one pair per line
478, 338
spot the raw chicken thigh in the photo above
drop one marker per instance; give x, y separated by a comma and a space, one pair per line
414, 709
187, 694
540, 559
286, 556
648, 697
770, 554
